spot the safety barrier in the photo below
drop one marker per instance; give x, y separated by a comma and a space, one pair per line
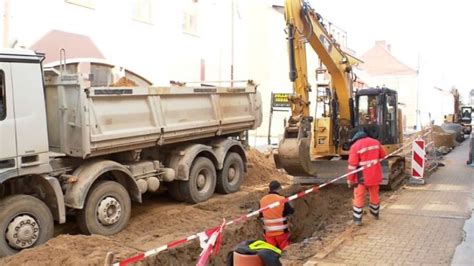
418, 159
208, 237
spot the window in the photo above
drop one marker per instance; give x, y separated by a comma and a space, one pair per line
391, 117
3, 97
190, 20
367, 110
141, 10
83, 3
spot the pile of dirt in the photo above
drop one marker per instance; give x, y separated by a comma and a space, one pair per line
124, 82
443, 139
262, 170
71, 250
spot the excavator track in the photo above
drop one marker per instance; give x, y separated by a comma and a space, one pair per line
393, 172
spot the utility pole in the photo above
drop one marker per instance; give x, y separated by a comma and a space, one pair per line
418, 112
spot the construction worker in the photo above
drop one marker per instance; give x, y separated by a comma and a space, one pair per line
365, 150
275, 220
254, 253
373, 111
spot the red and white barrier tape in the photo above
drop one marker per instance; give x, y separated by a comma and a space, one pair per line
211, 246
245, 217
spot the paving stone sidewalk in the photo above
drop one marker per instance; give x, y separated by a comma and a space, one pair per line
418, 225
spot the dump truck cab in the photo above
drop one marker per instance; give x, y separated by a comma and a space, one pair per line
23, 134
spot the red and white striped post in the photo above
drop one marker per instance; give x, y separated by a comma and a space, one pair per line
418, 160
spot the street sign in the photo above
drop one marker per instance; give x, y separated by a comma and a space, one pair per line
280, 100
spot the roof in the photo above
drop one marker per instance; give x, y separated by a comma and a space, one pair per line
20, 55
16, 51
376, 91
379, 61
75, 45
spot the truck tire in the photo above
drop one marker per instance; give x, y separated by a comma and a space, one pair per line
106, 210
232, 174
25, 222
202, 181
173, 190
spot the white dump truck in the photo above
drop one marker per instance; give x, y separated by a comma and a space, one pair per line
70, 147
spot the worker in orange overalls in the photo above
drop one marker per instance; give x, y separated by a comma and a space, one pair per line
365, 150
275, 220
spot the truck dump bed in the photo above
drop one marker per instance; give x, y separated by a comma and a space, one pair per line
86, 121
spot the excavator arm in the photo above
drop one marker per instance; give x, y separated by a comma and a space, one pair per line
306, 138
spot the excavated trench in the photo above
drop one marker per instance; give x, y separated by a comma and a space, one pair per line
316, 215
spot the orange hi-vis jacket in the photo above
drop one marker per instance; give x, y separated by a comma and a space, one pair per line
363, 152
274, 221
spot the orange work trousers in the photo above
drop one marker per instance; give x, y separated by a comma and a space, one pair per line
359, 195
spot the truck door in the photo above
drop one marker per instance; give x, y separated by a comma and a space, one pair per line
8, 149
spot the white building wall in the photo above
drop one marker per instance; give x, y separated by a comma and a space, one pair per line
268, 61
158, 49
406, 87
269, 65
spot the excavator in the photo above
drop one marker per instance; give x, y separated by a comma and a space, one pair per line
315, 148
462, 114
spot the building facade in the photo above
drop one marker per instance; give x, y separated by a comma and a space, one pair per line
186, 40
181, 40
384, 69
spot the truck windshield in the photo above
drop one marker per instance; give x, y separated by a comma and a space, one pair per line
3, 106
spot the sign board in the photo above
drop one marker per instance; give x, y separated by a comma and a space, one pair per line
281, 100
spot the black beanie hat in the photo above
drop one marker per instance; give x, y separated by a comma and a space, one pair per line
274, 185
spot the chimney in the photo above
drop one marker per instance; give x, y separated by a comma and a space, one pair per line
384, 45
381, 43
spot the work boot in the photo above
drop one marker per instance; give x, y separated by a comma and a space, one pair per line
374, 210
357, 215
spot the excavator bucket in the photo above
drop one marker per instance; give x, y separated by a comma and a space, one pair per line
292, 155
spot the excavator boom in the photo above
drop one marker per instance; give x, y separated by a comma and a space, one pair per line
306, 138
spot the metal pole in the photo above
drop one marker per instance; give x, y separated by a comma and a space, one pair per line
436, 163
269, 142
418, 118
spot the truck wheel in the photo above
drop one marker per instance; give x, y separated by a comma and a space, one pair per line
232, 174
202, 181
106, 211
173, 190
25, 222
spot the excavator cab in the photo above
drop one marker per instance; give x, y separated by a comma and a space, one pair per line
466, 119
376, 111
